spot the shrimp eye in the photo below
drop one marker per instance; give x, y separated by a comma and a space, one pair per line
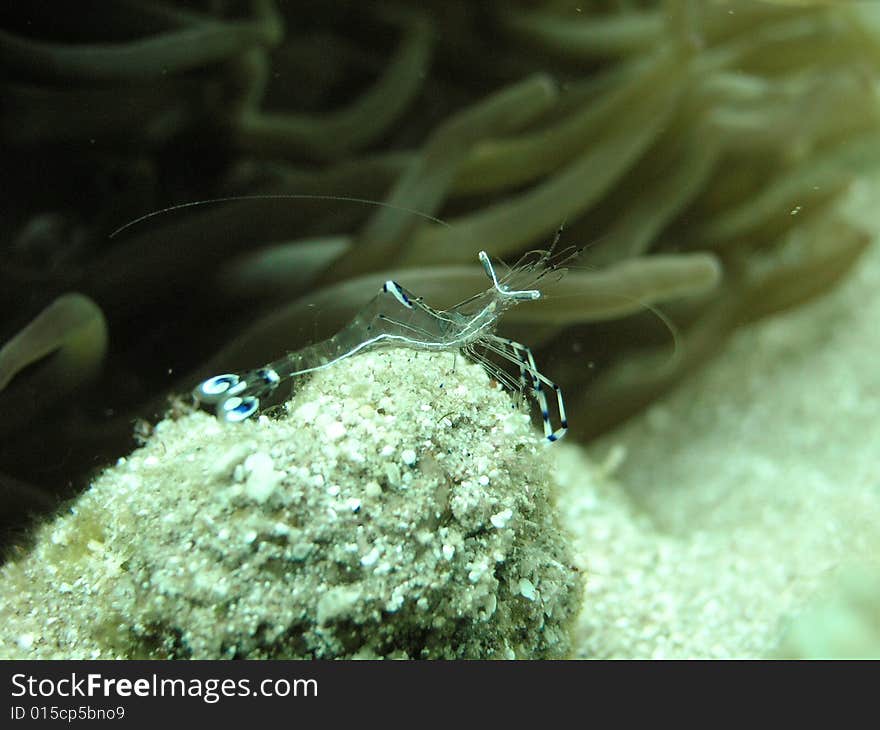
211, 390
235, 409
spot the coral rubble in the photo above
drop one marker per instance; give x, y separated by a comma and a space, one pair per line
398, 508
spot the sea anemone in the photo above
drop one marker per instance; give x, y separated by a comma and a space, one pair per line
696, 150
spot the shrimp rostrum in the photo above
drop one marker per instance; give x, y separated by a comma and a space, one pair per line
395, 317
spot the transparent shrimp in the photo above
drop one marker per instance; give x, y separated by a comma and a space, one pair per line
397, 318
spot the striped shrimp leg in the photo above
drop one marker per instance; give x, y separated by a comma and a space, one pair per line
531, 380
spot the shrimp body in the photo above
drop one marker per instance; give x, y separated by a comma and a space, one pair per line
395, 317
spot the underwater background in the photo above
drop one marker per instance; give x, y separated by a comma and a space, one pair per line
716, 161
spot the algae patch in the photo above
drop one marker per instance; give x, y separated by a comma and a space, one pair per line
398, 508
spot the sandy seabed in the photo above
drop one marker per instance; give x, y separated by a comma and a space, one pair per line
740, 516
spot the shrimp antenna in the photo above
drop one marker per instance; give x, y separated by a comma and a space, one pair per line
278, 196
503, 289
